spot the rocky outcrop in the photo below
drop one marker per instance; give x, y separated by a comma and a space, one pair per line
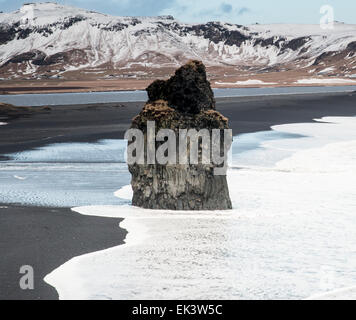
188, 91
185, 101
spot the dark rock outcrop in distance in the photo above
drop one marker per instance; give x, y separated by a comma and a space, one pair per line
39, 58
7, 33
352, 46
216, 32
10, 112
296, 43
185, 101
323, 57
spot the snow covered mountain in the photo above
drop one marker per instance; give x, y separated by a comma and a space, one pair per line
47, 40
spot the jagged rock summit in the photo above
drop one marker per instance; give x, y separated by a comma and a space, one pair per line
187, 91
185, 101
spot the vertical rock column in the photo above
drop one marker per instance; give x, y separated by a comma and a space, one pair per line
185, 101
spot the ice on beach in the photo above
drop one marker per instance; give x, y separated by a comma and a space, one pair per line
290, 235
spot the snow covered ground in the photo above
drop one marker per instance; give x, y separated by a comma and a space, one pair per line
246, 83
325, 81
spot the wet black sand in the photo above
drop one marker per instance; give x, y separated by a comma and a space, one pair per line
47, 237
87, 123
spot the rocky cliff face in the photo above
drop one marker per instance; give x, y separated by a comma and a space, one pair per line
185, 101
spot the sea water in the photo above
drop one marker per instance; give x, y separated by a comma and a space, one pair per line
140, 95
290, 234
65, 174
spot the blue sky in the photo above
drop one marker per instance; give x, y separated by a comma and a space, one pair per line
236, 11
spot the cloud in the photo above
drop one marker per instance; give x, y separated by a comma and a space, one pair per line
226, 7
125, 7
243, 10
184, 10
206, 10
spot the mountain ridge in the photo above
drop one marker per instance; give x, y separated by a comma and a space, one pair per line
48, 40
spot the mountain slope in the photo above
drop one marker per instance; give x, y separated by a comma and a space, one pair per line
45, 40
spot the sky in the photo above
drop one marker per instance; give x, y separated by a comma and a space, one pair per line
234, 11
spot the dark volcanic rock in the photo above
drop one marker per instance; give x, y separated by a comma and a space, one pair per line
34, 56
69, 21
183, 102
297, 43
27, 56
188, 90
216, 33
272, 41
352, 46
324, 57
39, 58
7, 33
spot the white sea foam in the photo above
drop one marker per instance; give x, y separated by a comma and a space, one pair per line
340, 294
293, 215
19, 178
124, 192
3, 123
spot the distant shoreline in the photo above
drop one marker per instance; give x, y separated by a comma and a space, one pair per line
57, 87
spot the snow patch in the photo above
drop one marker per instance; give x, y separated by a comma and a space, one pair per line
327, 70
324, 81
246, 83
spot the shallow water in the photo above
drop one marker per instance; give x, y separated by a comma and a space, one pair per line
65, 175
79, 174
139, 95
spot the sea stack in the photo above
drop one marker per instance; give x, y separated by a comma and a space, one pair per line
183, 102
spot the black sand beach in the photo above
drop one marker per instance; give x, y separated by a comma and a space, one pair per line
47, 237
88, 123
